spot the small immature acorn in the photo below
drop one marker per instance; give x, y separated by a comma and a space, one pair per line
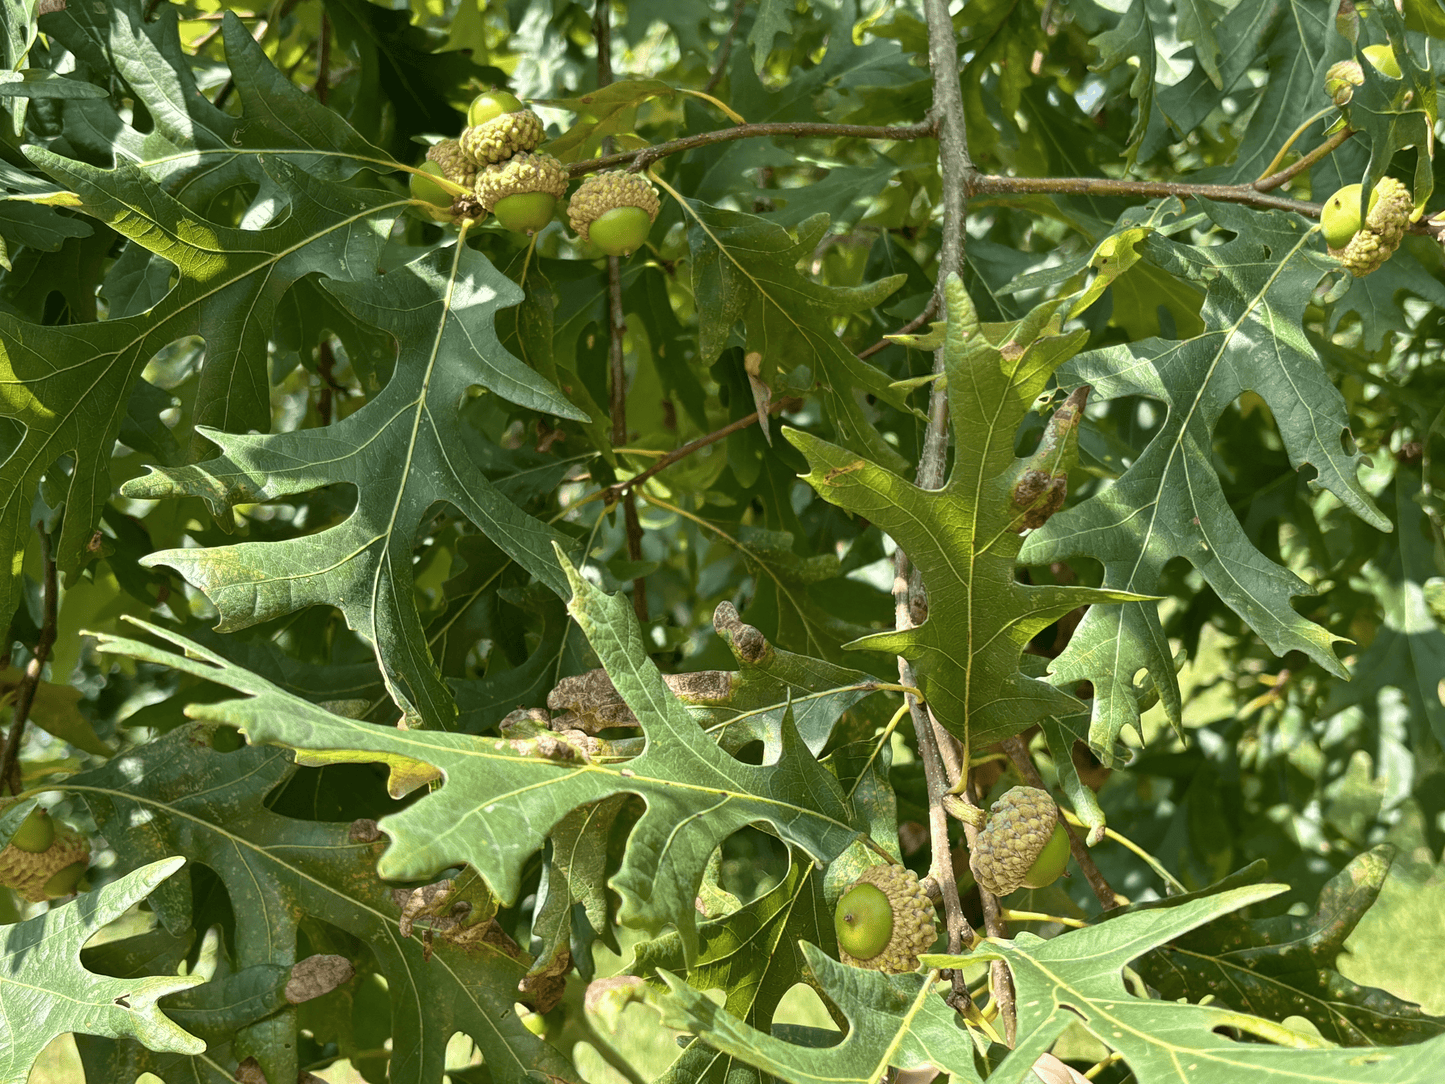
1376, 240
36, 832
1342, 78
884, 921
455, 166
614, 211
436, 200
36, 875
502, 137
522, 191
1023, 845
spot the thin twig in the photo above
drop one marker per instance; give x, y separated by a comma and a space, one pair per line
960, 934
982, 184
1019, 753
614, 492
29, 682
1274, 180
725, 49
907, 329
617, 328
641, 158
323, 60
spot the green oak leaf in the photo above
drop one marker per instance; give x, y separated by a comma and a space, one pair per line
45, 991
499, 799
404, 451
1396, 113
745, 268
1077, 979
964, 538
69, 385
1170, 502
276, 870
894, 1020
1133, 40
1408, 651
1285, 966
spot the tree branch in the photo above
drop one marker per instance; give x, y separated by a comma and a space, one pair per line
1274, 180
987, 184
641, 158
30, 681
615, 492
617, 327
725, 49
1019, 753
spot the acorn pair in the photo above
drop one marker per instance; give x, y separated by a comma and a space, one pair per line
886, 918
494, 158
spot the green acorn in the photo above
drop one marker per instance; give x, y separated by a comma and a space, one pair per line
1382, 231
884, 921
455, 165
1022, 845
502, 137
36, 832
490, 104
36, 874
522, 191
614, 211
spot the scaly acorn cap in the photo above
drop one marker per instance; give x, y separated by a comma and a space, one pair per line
913, 929
27, 873
1020, 825
501, 137
603, 192
1382, 232
520, 173
455, 165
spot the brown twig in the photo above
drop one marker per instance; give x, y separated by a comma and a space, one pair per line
323, 60
617, 328
1279, 177
1019, 753
960, 934
614, 492
29, 682
987, 184
907, 329
725, 49
641, 158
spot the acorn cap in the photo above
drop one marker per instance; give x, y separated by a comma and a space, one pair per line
603, 192
455, 165
1020, 825
1382, 232
27, 873
520, 173
913, 928
501, 137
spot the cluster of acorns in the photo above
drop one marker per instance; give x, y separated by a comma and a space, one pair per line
1363, 242
44, 860
495, 164
885, 918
